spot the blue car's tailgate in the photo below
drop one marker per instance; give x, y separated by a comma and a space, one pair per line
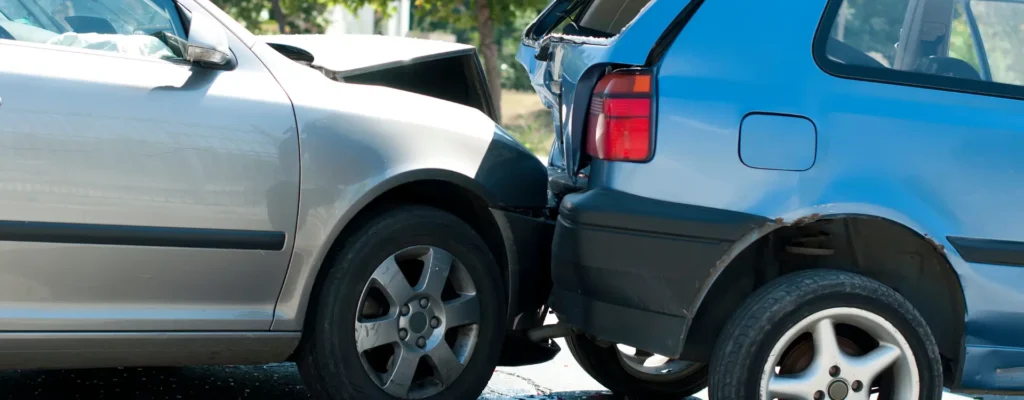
576, 41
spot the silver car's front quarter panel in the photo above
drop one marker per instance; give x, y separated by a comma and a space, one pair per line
141, 194
357, 142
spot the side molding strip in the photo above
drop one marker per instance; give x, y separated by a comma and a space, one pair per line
126, 235
987, 251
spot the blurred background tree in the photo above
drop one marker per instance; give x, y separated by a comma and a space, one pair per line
494, 26
507, 33
289, 16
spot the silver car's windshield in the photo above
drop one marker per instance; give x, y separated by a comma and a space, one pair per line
130, 15
23, 11
125, 17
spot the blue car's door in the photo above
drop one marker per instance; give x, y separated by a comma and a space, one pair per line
567, 48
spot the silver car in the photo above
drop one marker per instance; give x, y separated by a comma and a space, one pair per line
175, 190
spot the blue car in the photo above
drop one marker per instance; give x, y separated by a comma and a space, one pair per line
816, 199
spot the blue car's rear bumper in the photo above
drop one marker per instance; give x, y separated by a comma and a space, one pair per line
628, 269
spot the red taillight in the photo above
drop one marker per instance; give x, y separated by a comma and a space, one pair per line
619, 123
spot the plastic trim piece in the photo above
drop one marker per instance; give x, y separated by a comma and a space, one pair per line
988, 251
621, 261
126, 235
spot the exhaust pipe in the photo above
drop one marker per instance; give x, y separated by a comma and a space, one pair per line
547, 332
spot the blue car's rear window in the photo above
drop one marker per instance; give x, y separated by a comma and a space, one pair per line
601, 18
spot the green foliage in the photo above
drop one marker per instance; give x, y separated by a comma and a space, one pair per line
247, 12
961, 43
508, 33
300, 16
1001, 25
458, 17
872, 26
462, 13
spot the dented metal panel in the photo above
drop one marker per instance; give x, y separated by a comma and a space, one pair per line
564, 68
445, 70
942, 164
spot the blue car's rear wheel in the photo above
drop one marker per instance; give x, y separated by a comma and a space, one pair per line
636, 374
826, 334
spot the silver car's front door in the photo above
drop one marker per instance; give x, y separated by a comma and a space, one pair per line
141, 194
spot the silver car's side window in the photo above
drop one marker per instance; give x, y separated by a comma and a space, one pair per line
150, 28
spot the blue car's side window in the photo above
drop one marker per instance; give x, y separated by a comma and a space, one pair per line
997, 39
968, 46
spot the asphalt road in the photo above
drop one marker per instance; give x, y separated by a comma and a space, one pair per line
275, 381
559, 379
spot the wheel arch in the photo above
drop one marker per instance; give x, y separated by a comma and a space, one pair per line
446, 190
904, 258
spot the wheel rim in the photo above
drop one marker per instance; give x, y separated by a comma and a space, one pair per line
653, 367
415, 339
834, 370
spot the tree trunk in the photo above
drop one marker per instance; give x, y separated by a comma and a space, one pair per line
278, 14
489, 51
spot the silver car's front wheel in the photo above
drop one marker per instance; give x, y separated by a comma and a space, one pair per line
415, 341
411, 307
826, 335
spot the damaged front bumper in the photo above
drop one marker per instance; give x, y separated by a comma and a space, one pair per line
528, 244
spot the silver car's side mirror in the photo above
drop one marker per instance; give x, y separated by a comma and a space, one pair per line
207, 41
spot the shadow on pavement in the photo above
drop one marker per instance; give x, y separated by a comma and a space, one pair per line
274, 381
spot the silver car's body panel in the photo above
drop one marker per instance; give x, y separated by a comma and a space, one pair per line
357, 142
92, 138
159, 213
365, 53
24, 350
445, 70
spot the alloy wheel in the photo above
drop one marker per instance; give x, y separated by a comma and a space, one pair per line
652, 367
812, 361
418, 322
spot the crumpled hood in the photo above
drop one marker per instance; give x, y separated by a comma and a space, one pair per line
348, 55
352, 135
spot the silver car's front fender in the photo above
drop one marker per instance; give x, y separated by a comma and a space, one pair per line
357, 142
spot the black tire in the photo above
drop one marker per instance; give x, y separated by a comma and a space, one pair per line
328, 361
747, 340
605, 366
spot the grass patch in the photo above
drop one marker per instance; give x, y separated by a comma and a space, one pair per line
527, 120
